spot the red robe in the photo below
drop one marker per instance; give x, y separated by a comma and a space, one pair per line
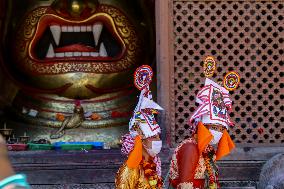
187, 169
187, 166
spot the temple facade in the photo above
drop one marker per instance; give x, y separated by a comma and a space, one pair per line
242, 36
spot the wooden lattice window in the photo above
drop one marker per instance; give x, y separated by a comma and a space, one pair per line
245, 36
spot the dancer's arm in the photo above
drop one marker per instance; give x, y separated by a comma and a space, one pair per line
6, 167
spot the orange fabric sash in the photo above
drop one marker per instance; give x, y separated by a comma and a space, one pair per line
225, 146
135, 156
204, 136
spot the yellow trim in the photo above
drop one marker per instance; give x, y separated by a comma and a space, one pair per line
225, 79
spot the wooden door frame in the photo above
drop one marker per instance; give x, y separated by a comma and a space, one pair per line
165, 72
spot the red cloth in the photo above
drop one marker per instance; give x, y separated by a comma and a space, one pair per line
187, 158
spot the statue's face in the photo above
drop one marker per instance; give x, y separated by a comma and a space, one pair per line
76, 48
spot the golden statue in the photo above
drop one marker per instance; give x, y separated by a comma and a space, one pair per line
70, 122
60, 51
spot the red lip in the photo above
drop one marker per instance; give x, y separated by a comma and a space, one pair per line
74, 48
76, 51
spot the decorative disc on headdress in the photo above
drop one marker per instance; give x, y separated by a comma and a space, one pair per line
209, 66
143, 76
231, 81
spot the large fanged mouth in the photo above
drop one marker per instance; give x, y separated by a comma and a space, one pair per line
89, 41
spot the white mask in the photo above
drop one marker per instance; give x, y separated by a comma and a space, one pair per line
156, 148
216, 136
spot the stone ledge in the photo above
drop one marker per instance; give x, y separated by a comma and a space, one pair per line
238, 184
97, 169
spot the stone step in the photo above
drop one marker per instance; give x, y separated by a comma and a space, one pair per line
96, 169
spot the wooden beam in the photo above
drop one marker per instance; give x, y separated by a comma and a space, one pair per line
164, 49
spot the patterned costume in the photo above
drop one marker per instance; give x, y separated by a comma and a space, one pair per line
193, 164
136, 172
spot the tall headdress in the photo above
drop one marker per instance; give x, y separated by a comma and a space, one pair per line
143, 118
213, 99
214, 107
143, 115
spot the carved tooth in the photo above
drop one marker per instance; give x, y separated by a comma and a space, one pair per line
50, 52
56, 32
70, 28
64, 28
85, 54
59, 55
103, 52
76, 28
97, 30
83, 28
68, 54
89, 28
77, 54
94, 54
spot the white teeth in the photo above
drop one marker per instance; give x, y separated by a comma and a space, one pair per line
97, 30
103, 52
50, 52
56, 32
70, 28
89, 28
77, 54
85, 54
68, 54
76, 28
64, 28
83, 28
94, 54
59, 55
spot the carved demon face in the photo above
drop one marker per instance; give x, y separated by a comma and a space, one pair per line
76, 48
